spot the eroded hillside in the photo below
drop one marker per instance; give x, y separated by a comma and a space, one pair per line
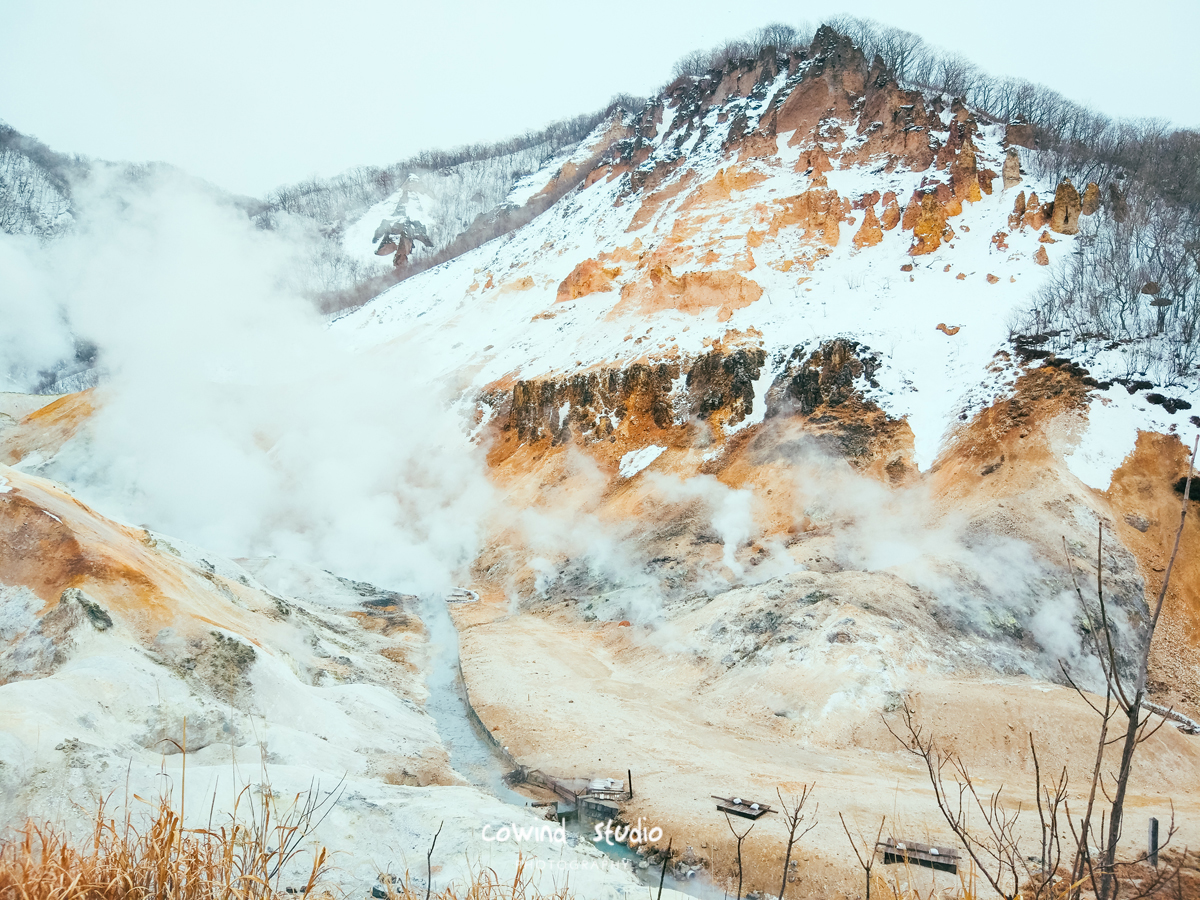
766, 462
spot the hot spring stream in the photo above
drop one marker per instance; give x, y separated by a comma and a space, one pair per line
477, 759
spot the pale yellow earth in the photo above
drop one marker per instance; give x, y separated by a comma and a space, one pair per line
596, 699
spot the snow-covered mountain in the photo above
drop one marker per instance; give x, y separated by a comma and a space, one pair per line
780, 329
768, 425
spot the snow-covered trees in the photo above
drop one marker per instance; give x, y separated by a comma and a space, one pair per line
34, 194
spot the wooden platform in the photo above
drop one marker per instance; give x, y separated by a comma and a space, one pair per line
598, 809
944, 859
573, 790
737, 806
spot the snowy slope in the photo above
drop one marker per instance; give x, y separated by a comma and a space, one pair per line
310, 684
493, 318
515, 330
444, 203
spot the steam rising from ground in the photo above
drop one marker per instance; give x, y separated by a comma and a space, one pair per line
231, 416
982, 580
978, 576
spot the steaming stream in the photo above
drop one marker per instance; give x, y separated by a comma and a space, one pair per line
474, 756
471, 753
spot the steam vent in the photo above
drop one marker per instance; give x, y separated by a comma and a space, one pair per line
780, 485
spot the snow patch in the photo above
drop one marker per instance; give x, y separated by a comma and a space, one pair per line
1110, 436
636, 460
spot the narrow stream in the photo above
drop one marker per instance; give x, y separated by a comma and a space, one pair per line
474, 756
472, 753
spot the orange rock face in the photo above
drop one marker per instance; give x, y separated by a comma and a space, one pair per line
1017, 216
692, 293
1000, 239
815, 162
866, 200
948, 329
1091, 199
911, 212
1042, 258
964, 174
1064, 217
869, 233
589, 277
891, 214
722, 185
929, 226
1036, 213
992, 279
818, 211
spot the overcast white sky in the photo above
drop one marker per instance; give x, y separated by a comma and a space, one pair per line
254, 93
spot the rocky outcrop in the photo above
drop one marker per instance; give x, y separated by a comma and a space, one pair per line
814, 162
1037, 213
400, 237
891, 214
1064, 217
964, 172
589, 277
929, 224
1017, 217
823, 386
692, 293
819, 211
824, 376
833, 78
627, 402
590, 404
1011, 172
720, 385
1118, 203
1042, 258
1020, 134
1090, 202
869, 233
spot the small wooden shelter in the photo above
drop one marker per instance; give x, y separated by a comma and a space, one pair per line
944, 859
738, 806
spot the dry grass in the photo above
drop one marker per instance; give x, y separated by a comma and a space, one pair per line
165, 861
485, 885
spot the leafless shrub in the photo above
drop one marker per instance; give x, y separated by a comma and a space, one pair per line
797, 822
988, 827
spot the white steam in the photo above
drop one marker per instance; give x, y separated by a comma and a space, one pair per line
983, 581
232, 417
730, 510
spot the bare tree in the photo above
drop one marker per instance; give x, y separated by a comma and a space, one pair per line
1128, 698
994, 845
794, 817
739, 838
866, 858
781, 36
